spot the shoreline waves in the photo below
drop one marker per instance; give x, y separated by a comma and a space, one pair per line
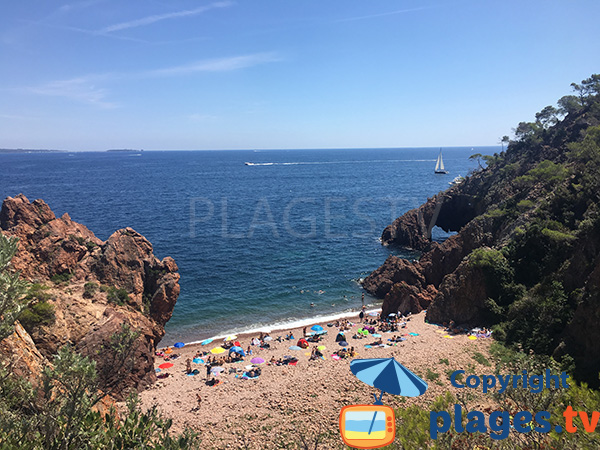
278, 326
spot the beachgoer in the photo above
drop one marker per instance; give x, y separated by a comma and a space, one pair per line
304, 331
188, 365
208, 367
363, 299
199, 398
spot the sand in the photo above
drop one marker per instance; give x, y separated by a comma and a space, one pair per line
289, 403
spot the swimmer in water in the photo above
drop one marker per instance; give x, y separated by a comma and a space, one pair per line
312, 305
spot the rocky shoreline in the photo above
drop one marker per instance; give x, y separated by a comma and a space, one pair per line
91, 288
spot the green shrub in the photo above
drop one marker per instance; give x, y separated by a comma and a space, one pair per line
548, 172
117, 296
59, 278
481, 359
37, 314
89, 289
537, 320
524, 205
431, 375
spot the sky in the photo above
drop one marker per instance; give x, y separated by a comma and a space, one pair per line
279, 74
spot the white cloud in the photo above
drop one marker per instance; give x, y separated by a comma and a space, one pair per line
79, 89
159, 17
389, 13
216, 65
84, 89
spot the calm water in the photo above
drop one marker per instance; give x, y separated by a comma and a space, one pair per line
255, 244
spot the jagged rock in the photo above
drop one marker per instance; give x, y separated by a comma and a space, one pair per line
449, 210
19, 353
461, 297
51, 246
393, 271
404, 298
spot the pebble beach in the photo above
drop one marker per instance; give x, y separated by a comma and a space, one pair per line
288, 403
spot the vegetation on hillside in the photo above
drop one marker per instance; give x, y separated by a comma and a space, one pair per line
543, 194
67, 406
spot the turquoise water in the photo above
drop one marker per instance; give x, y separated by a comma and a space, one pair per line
256, 244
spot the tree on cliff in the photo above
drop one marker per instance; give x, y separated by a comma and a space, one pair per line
12, 288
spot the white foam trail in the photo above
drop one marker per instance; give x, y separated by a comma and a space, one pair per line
338, 162
287, 324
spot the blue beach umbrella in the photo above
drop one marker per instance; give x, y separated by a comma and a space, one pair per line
179, 344
295, 347
206, 342
387, 375
236, 349
316, 328
376, 335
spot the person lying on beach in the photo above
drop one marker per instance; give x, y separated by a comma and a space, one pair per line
263, 344
273, 360
249, 351
342, 353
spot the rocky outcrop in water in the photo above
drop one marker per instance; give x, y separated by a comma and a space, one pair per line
94, 287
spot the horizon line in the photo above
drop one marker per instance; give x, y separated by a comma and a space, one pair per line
45, 150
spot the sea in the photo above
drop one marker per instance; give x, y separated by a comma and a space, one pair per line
264, 239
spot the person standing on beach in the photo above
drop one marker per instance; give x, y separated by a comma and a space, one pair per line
363, 300
208, 367
362, 314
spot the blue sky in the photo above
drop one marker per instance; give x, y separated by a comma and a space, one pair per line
247, 74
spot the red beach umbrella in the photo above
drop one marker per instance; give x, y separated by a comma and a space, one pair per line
165, 365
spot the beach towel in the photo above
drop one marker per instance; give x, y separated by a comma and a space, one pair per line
414, 334
198, 361
336, 357
368, 346
247, 377
293, 363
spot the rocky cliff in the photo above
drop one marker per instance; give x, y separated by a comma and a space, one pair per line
93, 288
526, 254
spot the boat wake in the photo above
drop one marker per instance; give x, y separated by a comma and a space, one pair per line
306, 163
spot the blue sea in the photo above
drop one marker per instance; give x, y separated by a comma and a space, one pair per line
256, 244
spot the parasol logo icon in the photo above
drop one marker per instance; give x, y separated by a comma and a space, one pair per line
374, 426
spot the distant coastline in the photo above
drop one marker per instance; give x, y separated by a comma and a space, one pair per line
28, 150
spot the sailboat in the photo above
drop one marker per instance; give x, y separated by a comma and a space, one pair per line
439, 165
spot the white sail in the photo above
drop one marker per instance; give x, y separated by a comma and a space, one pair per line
439, 165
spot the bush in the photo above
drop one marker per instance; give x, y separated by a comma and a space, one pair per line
481, 359
37, 314
524, 205
89, 289
59, 278
117, 296
499, 281
537, 320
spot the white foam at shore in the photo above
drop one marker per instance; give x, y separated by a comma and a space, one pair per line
287, 324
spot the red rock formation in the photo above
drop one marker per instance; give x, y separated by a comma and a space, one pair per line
19, 353
411, 286
51, 246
